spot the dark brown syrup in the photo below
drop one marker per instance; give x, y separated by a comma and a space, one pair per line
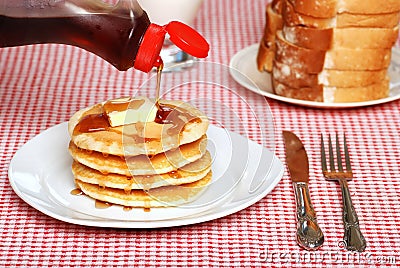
168, 114
114, 36
102, 205
76, 191
175, 174
92, 123
158, 85
147, 206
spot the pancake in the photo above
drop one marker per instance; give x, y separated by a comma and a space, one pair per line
166, 196
121, 157
189, 173
128, 139
140, 164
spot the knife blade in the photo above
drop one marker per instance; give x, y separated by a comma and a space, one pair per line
309, 235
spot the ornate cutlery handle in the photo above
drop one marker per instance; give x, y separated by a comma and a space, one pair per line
308, 235
353, 238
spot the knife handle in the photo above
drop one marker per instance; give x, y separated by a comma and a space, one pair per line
309, 235
353, 238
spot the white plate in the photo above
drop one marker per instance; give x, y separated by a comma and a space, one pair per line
40, 173
243, 68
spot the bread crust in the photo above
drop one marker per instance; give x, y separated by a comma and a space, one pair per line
311, 38
305, 93
318, 8
266, 50
265, 57
310, 60
293, 18
340, 20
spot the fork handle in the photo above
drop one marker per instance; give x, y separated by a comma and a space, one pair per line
353, 238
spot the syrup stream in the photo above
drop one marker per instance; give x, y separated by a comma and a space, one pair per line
158, 85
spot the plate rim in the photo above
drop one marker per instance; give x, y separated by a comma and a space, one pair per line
314, 104
225, 209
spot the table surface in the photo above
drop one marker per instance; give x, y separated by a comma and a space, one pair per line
43, 85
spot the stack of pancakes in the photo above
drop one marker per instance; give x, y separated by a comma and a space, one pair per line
159, 163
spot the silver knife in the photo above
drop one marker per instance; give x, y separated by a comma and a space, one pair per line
308, 235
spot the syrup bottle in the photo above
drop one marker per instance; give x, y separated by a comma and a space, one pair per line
120, 34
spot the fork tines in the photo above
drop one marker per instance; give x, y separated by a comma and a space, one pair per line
333, 173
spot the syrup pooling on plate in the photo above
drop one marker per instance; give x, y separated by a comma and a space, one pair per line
76, 191
102, 204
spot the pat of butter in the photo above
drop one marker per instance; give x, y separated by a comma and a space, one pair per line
125, 111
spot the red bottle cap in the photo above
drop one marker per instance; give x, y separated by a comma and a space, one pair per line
148, 55
182, 35
187, 39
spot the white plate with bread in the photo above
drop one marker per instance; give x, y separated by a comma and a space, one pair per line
243, 69
40, 173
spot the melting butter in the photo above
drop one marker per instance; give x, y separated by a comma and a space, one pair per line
126, 110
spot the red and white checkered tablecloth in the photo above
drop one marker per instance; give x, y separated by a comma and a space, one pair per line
43, 85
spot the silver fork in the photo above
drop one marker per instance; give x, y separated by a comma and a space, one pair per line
353, 238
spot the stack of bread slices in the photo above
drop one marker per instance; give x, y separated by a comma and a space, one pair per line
329, 50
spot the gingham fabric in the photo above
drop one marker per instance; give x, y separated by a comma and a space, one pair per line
43, 85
